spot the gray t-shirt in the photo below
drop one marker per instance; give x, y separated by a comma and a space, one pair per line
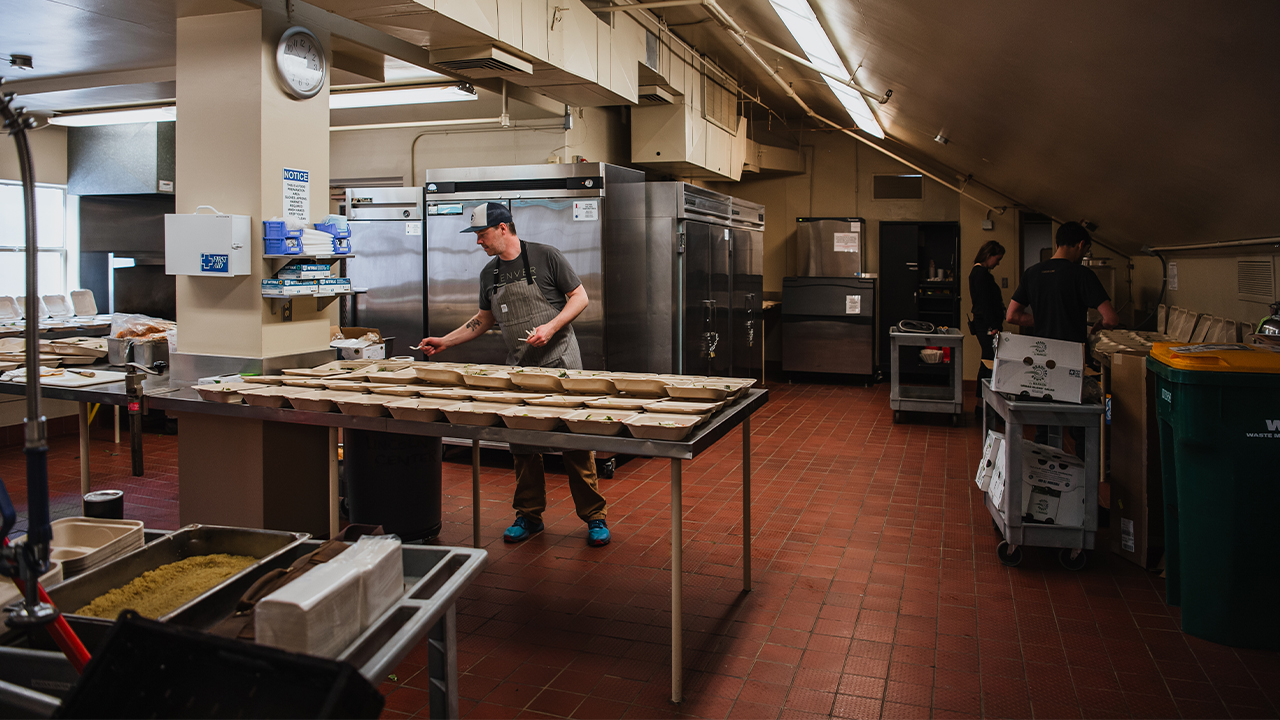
549, 269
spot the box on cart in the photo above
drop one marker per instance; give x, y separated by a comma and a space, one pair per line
1053, 485
1038, 367
358, 343
986, 467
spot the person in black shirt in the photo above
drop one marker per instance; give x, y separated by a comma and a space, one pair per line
988, 306
1060, 291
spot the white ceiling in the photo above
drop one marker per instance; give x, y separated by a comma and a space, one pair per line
1152, 120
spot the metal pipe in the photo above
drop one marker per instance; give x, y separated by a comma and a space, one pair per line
878, 97
420, 123
646, 6
1223, 244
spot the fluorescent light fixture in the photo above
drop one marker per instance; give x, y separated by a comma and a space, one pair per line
816, 45
395, 70
124, 116
401, 96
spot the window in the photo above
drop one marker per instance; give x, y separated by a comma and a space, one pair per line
897, 187
57, 237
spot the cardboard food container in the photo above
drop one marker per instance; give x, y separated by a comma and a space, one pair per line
660, 426
474, 413
715, 393
343, 385
453, 394
538, 380
365, 406
589, 384
641, 385
534, 418
488, 379
597, 422
621, 403
686, 408
509, 398
304, 382
271, 396
223, 392
337, 367
407, 376
395, 390
320, 401
418, 409
1038, 367
563, 401
438, 373
264, 379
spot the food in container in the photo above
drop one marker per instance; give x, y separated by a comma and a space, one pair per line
418, 409
568, 401
159, 592
364, 405
320, 401
620, 403
438, 373
474, 413
588, 383
546, 380
531, 417
271, 395
684, 408
222, 392
661, 426
597, 422
489, 379
700, 392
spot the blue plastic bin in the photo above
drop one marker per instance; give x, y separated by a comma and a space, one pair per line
279, 239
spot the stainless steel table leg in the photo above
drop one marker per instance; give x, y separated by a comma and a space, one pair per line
677, 572
746, 504
84, 449
475, 493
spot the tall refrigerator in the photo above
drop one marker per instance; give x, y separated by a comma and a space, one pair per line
388, 260
704, 281
592, 212
829, 308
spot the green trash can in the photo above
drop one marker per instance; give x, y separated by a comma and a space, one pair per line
1218, 410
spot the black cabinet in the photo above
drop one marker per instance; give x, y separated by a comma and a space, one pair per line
919, 276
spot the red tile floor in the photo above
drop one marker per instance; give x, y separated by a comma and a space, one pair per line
877, 590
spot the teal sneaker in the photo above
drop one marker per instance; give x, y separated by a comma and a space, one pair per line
597, 533
523, 529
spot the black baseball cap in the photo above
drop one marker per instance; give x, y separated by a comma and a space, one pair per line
487, 215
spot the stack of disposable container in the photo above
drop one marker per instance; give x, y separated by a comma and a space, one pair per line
81, 544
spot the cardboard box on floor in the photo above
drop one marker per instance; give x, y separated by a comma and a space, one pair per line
1039, 367
351, 348
1137, 497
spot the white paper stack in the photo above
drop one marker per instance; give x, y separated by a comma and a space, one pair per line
315, 242
317, 614
377, 558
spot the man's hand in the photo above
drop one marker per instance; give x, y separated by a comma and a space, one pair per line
432, 345
541, 335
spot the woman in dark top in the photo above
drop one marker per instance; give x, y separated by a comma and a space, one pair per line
988, 306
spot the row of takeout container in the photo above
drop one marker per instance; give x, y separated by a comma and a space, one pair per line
66, 351
660, 407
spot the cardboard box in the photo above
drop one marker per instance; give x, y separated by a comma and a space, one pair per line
1053, 485
352, 347
329, 286
305, 272
999, 476
289, 287
1137, 491
986, 467
1038, 367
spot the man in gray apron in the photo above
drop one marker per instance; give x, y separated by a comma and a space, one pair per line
533, 294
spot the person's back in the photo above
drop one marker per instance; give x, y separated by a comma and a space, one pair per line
1061, 293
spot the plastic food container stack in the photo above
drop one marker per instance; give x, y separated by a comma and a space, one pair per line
81, 544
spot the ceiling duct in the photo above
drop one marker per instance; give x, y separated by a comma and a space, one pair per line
654, 95
481, 62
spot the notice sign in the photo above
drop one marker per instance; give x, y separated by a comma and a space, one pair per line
297, 194
852, 304
846, 242
586, 210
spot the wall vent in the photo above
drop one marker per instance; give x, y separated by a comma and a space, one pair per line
480, 62
1255, 280
654, 95
897, 187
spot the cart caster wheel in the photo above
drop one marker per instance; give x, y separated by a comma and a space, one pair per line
1076, 563
955, 420
1007, 557
897, 417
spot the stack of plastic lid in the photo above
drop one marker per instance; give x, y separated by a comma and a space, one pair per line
82, 543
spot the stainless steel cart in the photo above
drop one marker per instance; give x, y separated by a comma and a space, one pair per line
905, 362
1006, 511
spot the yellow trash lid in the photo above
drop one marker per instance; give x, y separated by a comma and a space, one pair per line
1217, 357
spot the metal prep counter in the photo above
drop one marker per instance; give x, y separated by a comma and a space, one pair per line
186, 400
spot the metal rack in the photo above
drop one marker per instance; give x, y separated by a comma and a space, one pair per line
1072, 541
948, 398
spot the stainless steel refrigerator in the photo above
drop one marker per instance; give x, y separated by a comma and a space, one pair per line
388, 260
704, 281
592, 212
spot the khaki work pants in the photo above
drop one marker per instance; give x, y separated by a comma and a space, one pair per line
531, 485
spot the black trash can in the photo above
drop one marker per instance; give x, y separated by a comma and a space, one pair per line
393, 480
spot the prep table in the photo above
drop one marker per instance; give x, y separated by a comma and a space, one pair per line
186, 400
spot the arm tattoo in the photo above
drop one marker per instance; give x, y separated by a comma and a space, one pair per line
473, 324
